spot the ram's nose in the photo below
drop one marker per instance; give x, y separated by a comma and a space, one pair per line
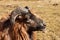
43, 25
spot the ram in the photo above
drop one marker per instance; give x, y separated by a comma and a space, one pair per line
24, 25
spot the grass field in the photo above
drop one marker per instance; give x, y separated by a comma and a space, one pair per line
48, 10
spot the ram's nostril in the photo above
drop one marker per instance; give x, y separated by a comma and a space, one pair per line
44, 24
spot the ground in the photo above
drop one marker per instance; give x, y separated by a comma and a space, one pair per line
48, 10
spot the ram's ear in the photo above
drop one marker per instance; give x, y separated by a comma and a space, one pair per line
26, 7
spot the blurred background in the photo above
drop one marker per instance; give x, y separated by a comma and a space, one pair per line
48, 10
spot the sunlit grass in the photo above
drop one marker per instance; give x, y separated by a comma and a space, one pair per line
49, 13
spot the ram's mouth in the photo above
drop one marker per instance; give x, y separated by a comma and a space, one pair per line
41, 28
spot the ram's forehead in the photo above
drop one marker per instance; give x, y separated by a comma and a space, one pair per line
24, 10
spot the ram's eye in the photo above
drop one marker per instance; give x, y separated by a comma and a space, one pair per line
20, 16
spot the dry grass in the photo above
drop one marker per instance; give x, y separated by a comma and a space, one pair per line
45, 9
